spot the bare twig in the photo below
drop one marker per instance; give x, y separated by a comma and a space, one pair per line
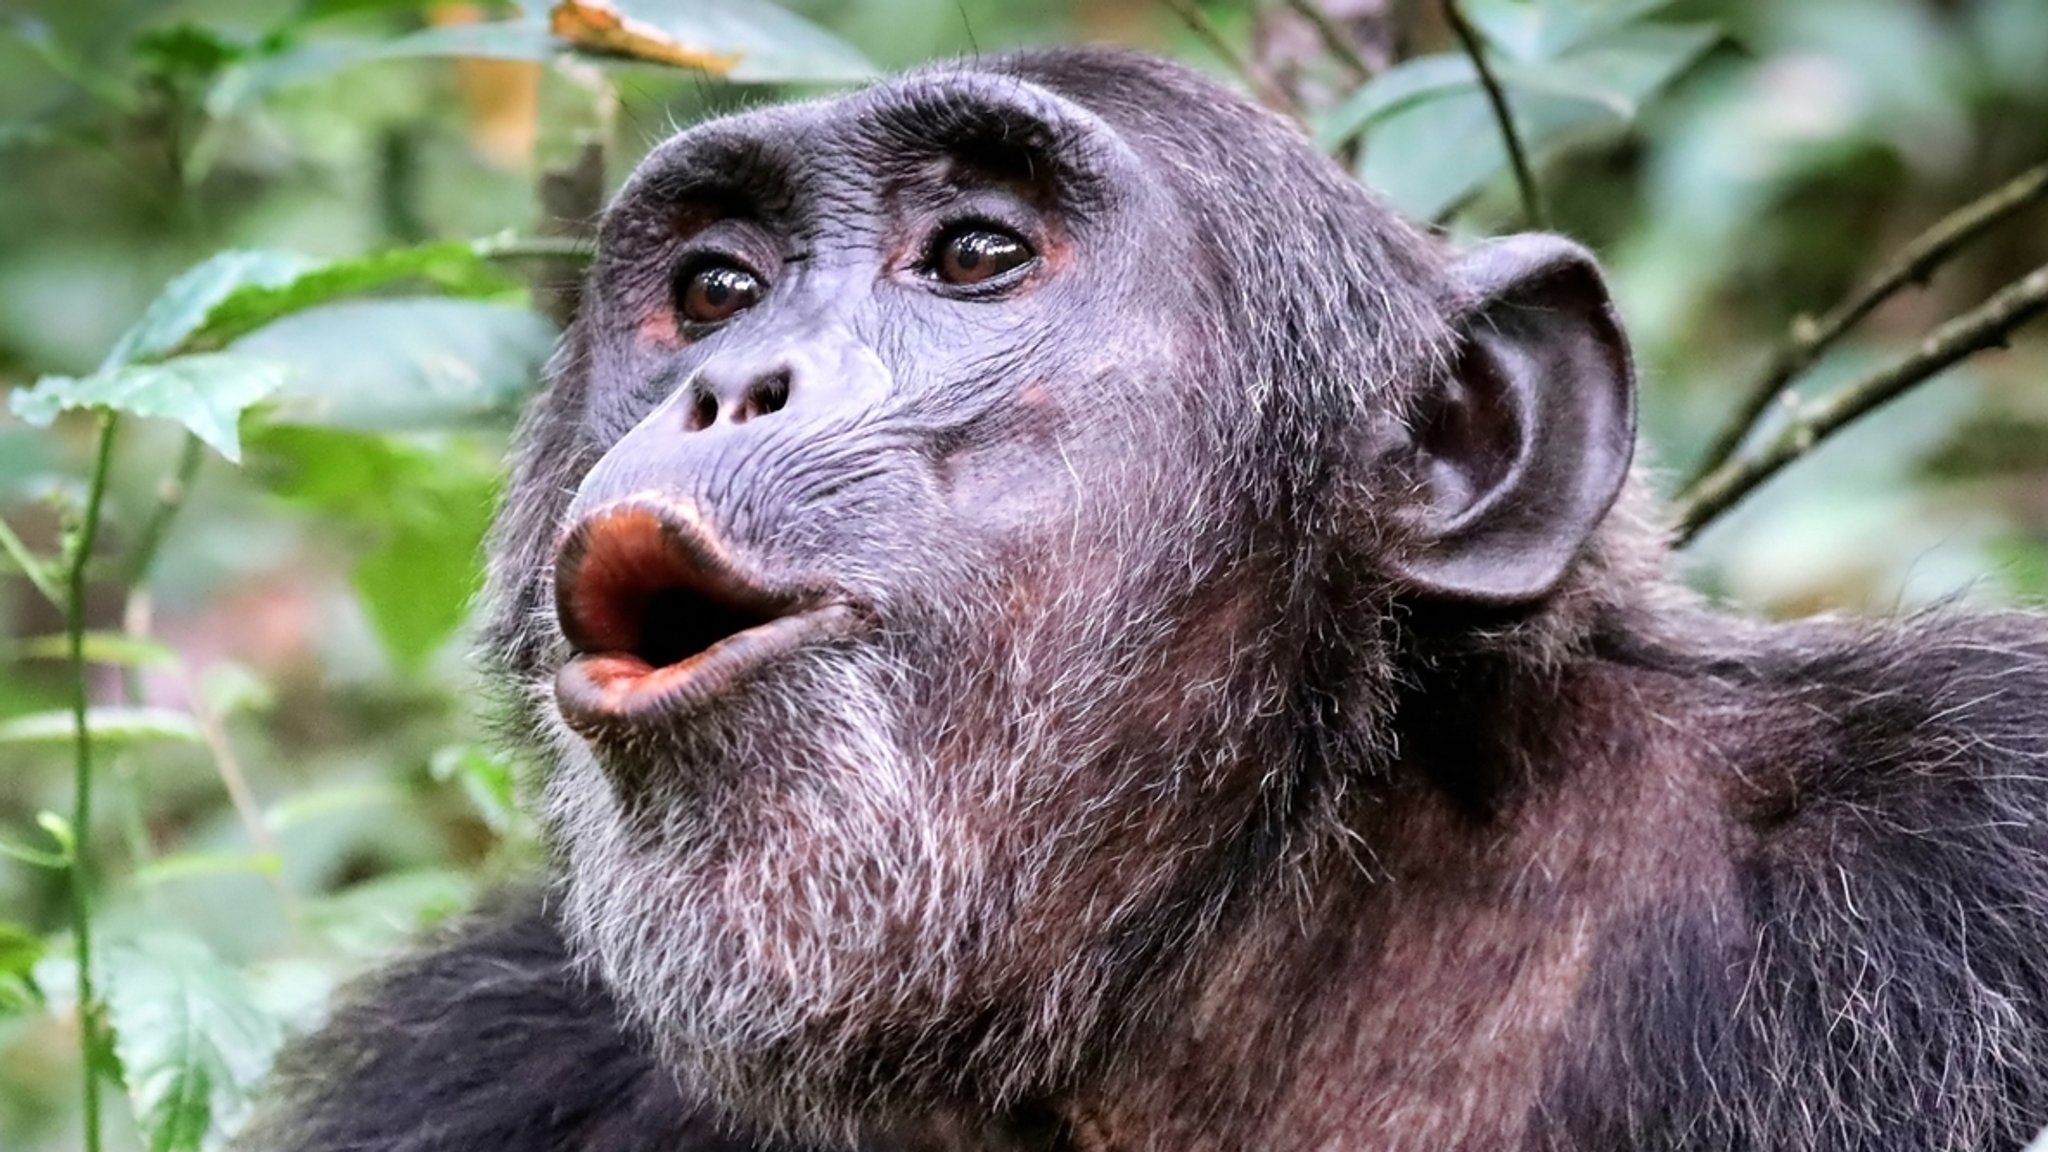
1986, 326
1525, 180
1913, 265
1335, 39
1271, 94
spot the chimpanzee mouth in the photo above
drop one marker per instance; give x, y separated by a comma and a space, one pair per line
661, 616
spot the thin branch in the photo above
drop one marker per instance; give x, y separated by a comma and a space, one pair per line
90, 1042
29, 565
1270, 93
1335, 39
170, 499
1525, 180
1913, 265
1986, 326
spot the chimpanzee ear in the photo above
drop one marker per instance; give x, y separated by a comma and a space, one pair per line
1523, 449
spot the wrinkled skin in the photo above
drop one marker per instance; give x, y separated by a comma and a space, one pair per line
1053, 621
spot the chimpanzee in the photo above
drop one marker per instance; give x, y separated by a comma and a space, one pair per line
1054, 621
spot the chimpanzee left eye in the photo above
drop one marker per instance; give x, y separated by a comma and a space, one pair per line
978, 253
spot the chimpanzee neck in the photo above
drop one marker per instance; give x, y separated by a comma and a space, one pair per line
1416, 986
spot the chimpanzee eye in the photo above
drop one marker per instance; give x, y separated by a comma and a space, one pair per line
713, 292
977, 253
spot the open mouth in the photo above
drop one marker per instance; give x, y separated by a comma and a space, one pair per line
660, 615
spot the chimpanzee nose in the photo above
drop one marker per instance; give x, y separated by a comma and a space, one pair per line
719, 392
819, 379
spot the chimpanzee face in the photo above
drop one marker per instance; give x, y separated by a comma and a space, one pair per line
904, 559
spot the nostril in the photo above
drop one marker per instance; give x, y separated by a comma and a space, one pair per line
764, 398
703, 409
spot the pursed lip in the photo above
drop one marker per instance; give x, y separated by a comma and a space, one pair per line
662, 617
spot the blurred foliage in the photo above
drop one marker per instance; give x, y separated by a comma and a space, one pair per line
251, 230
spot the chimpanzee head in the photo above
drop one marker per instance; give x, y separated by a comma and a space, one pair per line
965, 551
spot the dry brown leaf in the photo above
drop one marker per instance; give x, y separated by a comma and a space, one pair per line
599, 27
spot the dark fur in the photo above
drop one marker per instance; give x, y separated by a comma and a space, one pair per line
1610, 872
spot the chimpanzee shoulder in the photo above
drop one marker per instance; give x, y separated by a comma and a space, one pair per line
490, 1039
1884, 959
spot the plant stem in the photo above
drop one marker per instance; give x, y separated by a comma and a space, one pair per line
1525, 180
1986, 326
1914, 263
81, 805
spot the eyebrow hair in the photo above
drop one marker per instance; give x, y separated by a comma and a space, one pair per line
738, 167
997, 122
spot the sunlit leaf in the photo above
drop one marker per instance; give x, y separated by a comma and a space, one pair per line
185, 305
599, 26
108, 723
192, 1042
207, 394
403, 365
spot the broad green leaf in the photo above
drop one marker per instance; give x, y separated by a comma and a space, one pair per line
260, 76
400, 365
186, 304
207, 394
454, 266
191, 1040
1434, 156
422, 507
104, 648
1537, 30
773, 46
1620, 72
108, 724
1403, 86
20, 949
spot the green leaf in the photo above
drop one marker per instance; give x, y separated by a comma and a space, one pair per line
1536, 30
103, 648
454, 266
191, 1040
186, 304
1403, 86
20, 949
207, 394
380, 916
1620, 72
108, 724
773, 44
488, 781
403, 364
1432, 158
187, 864
259, 77
424, 508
